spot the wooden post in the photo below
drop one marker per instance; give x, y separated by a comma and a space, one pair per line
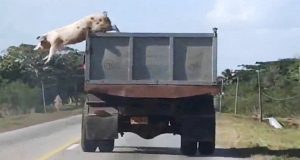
236, 95
221, 95
43, 89
259, 96
299, 74
43, 92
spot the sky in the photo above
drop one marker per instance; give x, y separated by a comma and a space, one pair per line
249, 30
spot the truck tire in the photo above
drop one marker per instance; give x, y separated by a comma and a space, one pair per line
206, 148
86, 145
106, 145
188, 148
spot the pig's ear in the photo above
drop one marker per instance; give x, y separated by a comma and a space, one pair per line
104, 13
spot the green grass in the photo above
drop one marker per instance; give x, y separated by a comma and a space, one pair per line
261, 157
235, 131
242, 131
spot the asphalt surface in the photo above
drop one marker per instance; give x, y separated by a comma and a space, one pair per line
36, 141
60, 140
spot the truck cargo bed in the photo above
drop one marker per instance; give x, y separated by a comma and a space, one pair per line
168, 65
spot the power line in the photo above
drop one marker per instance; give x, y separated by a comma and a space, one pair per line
281, 99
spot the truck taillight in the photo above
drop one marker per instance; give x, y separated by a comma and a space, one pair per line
102, 111
139, 120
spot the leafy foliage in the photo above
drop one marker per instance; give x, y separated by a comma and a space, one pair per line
19, 97
22, 66
280, 86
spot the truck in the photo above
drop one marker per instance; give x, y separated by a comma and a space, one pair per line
150, 84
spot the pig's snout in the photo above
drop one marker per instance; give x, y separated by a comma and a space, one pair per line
115, 28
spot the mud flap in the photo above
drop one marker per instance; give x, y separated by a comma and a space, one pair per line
198, 127
101, 128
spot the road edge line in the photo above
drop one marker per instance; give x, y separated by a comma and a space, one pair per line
58, 150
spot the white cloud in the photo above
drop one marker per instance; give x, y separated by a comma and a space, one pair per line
235, 14
232, 11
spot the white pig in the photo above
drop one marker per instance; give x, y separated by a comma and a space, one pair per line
73, 33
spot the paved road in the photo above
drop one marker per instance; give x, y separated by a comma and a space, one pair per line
132, 147
36, 141
59, 140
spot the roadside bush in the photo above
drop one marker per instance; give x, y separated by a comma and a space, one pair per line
19, 98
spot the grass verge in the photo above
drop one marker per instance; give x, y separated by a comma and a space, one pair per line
252, 137
20, 121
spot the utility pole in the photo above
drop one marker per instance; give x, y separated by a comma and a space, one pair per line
221, 95
43, 89
236, 95
299, 74
259, 96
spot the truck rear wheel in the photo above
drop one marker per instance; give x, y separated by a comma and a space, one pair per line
206, 148
106, 145
188, 147
86, 145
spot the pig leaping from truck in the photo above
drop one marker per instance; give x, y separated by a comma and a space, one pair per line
73, 33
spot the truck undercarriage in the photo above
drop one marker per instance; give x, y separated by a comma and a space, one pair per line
191, 117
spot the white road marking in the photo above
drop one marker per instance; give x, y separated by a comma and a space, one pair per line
73, 146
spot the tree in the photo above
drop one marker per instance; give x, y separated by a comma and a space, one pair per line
63, 75
228, 76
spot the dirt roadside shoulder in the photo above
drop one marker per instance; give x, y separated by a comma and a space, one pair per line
21, 121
